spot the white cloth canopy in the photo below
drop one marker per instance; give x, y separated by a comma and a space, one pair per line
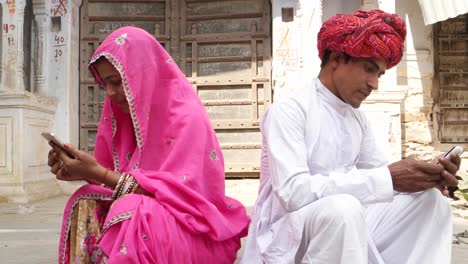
440, 10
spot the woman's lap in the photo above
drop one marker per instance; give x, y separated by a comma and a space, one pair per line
138, 229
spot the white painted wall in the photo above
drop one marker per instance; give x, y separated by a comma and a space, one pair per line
333, 7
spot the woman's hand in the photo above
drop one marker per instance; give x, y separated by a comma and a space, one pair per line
82, 167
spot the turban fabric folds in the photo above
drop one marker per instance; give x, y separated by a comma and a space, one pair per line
364, 34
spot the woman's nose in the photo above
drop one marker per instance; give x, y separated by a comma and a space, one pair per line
109, 91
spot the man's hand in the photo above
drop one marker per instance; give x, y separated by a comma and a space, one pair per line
451, 165
410, 175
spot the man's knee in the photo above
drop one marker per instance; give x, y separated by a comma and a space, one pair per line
333, 224
434, 199
338, 210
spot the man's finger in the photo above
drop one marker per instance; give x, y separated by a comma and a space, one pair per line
449, 178
445, 193
455, 159
434, 177
443, 189
432, 168
449, 165
428, 185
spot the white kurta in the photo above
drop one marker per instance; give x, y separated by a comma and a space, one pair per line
319, 153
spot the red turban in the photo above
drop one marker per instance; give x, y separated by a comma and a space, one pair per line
364, 34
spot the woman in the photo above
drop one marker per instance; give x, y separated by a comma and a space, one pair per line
157, 192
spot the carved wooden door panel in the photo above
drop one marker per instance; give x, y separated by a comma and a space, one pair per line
451, 60
98, 19
224, 49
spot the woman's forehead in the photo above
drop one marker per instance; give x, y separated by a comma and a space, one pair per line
102, 64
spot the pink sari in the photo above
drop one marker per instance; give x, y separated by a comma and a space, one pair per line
168, 145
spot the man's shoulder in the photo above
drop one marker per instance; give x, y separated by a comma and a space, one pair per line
360, 116
301, 96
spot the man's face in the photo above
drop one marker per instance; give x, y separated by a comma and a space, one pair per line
354, 81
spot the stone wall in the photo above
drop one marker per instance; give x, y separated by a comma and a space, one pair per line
416, 72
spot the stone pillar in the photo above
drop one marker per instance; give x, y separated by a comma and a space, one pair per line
63, 68
11, 45
63, 71
24, 174
41, 20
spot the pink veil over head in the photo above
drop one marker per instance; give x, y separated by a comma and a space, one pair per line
167, 142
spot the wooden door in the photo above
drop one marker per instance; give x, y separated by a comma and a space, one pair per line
224, 49
451, 69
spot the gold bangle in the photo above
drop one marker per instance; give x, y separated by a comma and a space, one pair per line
132, 187
126, 185
116, 192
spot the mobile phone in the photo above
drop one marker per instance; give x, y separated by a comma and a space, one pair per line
50, 137
455, 149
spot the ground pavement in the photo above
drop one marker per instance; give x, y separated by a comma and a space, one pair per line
29, 233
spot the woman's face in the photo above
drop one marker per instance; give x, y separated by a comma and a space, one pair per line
111, 81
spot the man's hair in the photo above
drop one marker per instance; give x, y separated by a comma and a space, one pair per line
326, 57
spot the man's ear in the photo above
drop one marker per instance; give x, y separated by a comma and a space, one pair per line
335, 58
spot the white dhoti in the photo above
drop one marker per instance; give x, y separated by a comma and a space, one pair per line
414, 228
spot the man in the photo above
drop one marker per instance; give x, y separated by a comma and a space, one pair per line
326, 193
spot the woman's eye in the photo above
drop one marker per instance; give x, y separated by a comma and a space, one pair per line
116, 82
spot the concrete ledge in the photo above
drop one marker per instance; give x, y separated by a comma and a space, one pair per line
29, 192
